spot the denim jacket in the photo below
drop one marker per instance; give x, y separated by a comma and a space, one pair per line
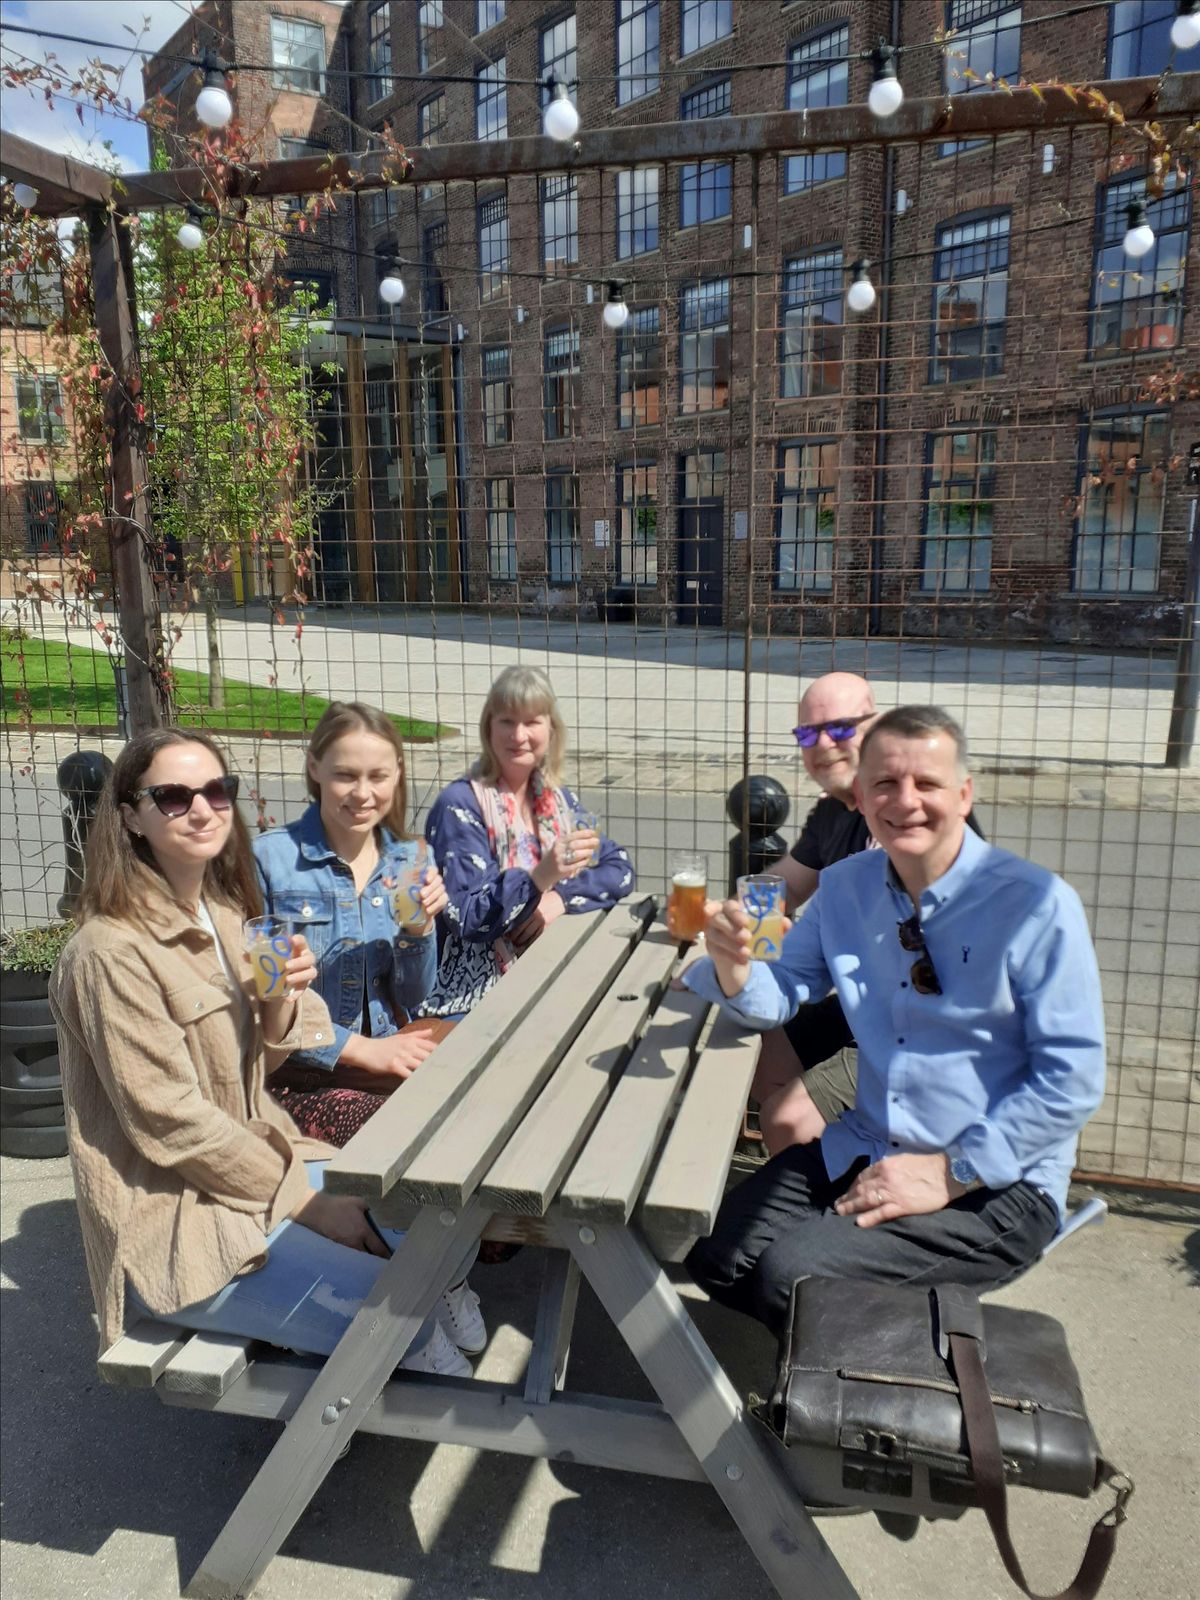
354, 937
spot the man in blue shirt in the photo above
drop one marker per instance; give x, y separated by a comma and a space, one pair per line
970, 982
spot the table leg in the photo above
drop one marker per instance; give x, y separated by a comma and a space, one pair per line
552, 1329
342, 1393
693, 1387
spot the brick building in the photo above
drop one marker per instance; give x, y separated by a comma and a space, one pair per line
983, 453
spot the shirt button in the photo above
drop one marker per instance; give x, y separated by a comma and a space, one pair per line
899, 1041
376, 899
306, 911
904, 983
199, 1005
318, 1037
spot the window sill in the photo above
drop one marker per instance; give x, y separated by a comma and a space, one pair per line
1143, 596
640, 255
309, 94
636, 100
1123, 357
686, 227
811, 188
726, 38
685, 416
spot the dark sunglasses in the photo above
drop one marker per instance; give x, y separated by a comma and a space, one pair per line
922, 972
841, 732
175, 799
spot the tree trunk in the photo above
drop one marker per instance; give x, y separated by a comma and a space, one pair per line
216, 680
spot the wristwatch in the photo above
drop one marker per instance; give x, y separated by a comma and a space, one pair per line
963, 1172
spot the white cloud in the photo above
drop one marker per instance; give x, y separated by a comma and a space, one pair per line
58, 127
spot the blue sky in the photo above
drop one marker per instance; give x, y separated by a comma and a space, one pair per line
58, 127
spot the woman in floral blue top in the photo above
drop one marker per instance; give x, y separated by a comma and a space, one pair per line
514, 847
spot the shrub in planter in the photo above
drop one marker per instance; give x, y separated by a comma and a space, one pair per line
31, 1107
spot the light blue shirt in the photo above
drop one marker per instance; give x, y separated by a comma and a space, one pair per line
1003, 1067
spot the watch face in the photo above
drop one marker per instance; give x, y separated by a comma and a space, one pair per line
962, 1171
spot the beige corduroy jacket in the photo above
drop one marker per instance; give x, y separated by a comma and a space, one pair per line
183, 1162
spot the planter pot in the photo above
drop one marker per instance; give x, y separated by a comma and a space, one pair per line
31, 1110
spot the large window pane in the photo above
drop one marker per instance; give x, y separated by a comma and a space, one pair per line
560, 221
807, 514
1123, 503
818, 75
706, 187
970, 299
430, 33
298, 55
496, 365
704, 22
639, 369
562, 528
491, 101
960, 508
637, 211
812, 325
493, 246
637, 49
986, 46
560, 382
379, 52
1138, 305
1139, 38
704, 355
557, 54
487, 14
501, 529
637, 523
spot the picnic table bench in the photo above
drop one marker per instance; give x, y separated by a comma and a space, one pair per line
584, 1106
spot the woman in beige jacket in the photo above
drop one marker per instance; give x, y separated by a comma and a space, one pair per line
199, 1198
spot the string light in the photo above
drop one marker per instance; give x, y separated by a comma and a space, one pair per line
1139, 235
860, 296
560, 120
1185, 30
191, 229
391, 286
616, 312
213, 105
886, 95
24, 195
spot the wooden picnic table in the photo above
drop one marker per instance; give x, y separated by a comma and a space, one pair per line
584, 1106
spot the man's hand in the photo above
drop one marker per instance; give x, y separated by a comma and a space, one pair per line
899, 1186
342, 1218
727, 940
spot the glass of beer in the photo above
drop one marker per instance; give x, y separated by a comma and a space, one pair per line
410, 914
269, 941
689, 888
585, 819
762, 899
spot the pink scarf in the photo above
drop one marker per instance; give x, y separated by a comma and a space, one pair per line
505, 829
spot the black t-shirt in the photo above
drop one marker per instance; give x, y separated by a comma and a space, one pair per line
832, 831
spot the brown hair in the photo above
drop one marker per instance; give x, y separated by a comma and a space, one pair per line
528, 691
121, 877
919, 722
351, 716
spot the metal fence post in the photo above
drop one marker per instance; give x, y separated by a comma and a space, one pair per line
760, 806
81, 780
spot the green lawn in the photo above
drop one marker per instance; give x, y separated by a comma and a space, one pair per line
61, 683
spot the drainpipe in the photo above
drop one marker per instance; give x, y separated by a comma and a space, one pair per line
878, 532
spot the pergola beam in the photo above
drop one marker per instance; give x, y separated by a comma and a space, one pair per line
63, 183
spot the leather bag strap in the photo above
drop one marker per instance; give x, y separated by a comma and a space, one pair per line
987, 1467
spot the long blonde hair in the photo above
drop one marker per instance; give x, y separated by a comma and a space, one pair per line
528, 692
352, 716
121, 877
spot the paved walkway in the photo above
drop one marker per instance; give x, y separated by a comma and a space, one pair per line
109, 1495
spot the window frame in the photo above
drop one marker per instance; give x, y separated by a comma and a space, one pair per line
48, 515
379, 70
485, 9
932, 579
563, 513
560, 383
432, 30
690, 371
280, 71
814, 263
819, 582
1138, 31
827, 166
44, 408
990, 364
495, 74
627, 366
557, 63
493, 281
429, 138
491, 515
1146, 270
1081, 537
977, 30
629, 208
497, 422
698, 9
569, 196
627, 77
631, 570
693, 175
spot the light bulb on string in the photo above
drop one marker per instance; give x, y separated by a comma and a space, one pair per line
560, 119
24, 195
1139, 235
391, 286
1185, 30
860, 296
616, 312
213, 105
886, 95
191, 229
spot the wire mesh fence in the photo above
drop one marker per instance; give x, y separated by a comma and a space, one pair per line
974, 491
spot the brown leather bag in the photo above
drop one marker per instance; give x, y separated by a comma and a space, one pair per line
926, 1387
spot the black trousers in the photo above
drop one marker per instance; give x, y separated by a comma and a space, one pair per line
780, 1225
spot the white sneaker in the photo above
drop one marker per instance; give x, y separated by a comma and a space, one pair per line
459, 1311
437, 1354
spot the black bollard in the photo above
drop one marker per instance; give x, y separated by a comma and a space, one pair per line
81, 780
760, 847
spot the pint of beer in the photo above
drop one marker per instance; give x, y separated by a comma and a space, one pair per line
762, 898
269, 942
689, 887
